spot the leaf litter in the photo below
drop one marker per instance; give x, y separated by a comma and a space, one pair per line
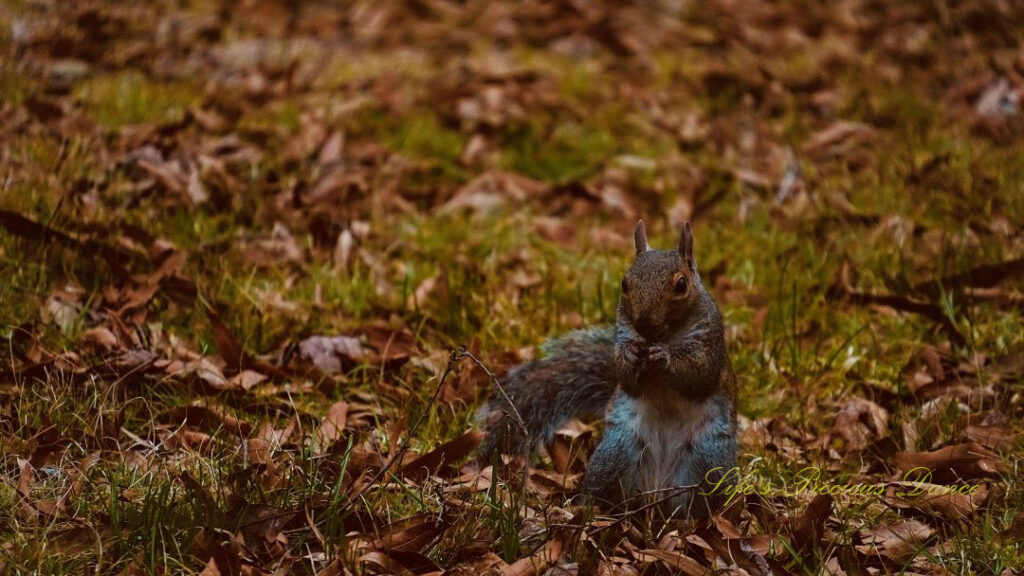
186, 188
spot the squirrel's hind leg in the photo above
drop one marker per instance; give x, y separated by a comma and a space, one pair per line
613, 471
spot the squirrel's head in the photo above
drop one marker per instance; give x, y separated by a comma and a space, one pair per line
662, 287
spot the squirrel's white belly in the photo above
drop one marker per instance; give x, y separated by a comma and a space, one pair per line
667, 437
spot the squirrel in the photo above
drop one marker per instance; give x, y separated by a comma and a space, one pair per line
660, 377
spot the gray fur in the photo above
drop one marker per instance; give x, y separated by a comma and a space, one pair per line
628, 461
575, 378
661, 373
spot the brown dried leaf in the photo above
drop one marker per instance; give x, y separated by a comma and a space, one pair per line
262, 528
101, 337
333, 426
169, 173
280, 248
472, 480
675, 560
898, 542
207, 546
402, 562
188, 439
210, 569
859, 423
205, 418
536, 563
994, 437
332, 149
332, 354
415, 533
838, 139
445, 454
385, 564
958, 462
984, 276
433, 290
937, 500
573, 434
307, 141
547, 484
489, 564
809, 527
743, 552
206, 373
387, 344
247, 380
228, 345
493, 190
842, 290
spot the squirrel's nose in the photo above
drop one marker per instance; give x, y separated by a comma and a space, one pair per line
647, 328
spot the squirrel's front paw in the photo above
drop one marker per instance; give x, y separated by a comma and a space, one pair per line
628, 356
657, 354
630, 353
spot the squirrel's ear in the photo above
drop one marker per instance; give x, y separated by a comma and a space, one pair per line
686, 247
640, 237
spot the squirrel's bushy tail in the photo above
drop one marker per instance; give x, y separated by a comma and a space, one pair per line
575, 378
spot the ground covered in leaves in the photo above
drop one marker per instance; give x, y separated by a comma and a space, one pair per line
240, 241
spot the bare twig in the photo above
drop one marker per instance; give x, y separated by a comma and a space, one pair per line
985, 276
404, 446
464, 353
930, 311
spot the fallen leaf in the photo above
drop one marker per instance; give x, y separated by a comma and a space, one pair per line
741, 552
838, 139
859, 423
842, 290
186, 438
488, 564
984, 276
401, 562
100, 337
415, 533
235, 356
573, 433
247, 380
333, 354
433, 290
204, 372
446, 454
994, 437
210, 569
205, 418
333, 425
675, 560
279, 248
940, 501
898, 542
385, 563
170, 174
958, 462
388, 345
492, 191
809, 527
206, 546
536, 563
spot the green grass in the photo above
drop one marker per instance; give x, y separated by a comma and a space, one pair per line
131, 98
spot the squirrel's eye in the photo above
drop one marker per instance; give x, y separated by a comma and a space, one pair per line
625, 286
681, 285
